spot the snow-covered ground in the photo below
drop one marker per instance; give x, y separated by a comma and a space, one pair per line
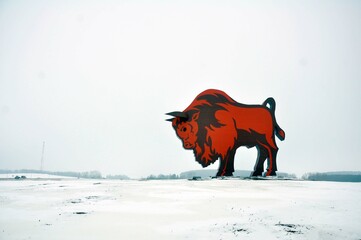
32, 176
179, 209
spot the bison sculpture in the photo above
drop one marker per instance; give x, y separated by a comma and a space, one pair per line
214, 126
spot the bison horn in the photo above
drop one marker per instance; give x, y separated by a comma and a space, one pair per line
178, 114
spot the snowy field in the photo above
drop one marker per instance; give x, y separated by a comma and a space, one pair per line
179, 209
32, 176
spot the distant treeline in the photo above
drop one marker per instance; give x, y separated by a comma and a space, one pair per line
345, 176
88, 174
333, 176
205, 173
162, 177
119, 177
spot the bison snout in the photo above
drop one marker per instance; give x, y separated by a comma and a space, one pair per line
187, 145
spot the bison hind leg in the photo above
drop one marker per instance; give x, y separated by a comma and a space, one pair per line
269, 153
258, 167
272, 164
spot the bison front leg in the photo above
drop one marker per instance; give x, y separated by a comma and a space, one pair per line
226, 166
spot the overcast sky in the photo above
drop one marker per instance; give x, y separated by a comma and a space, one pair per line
93, 80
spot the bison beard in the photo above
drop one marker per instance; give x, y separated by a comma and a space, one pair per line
215, 126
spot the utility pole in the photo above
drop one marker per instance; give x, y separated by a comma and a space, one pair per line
42, 158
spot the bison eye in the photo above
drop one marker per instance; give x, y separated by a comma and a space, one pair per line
184, 129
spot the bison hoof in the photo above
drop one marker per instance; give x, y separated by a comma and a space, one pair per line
227, 174
267, 174
256, 174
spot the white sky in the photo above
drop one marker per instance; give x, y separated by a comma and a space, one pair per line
93, 80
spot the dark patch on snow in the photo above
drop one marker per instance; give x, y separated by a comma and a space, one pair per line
92, 197
80, 213
240, 230
74, 201
235, 228
286, 225
290, 228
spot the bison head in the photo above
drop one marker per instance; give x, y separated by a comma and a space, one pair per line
195, 129
186, 128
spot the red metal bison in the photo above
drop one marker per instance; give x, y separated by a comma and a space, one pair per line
214, 126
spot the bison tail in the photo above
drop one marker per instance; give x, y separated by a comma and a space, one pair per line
272, 106
280, 133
